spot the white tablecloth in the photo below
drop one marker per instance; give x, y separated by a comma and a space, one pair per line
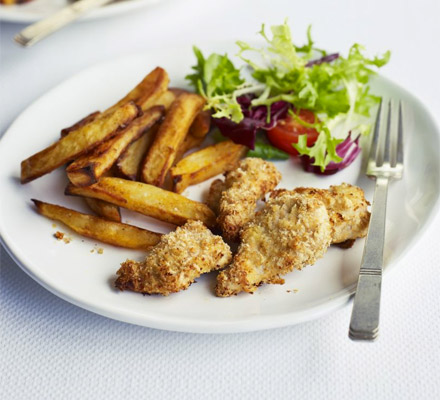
50, 349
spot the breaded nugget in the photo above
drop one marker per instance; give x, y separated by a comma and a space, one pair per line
176, 261
347, 209
244, 186
290, 232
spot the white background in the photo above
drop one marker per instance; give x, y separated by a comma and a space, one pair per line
50, 349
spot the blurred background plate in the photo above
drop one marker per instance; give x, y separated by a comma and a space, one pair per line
38, 9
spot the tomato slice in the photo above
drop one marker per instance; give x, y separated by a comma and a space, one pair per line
287, 131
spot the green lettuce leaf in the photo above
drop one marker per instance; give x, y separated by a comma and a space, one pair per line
280, 70
267, 152
216, 79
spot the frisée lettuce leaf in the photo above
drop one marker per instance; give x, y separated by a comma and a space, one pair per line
216, 79
333, 86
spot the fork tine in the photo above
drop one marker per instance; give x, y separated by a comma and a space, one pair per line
387, 150
399, 158
375, 140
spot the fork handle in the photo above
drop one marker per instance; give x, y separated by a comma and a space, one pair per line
364, 324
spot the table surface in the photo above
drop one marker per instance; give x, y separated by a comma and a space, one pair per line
50, 349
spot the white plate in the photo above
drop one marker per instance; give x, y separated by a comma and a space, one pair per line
38, 9
85, 278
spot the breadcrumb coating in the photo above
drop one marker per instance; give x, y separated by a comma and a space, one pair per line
347, 209
290, 232
176, 261
214, 195
244, 186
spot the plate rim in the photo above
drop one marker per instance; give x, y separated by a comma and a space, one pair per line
188, 324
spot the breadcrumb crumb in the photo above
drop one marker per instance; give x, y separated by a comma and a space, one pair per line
59, 235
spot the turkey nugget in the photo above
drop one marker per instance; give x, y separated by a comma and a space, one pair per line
347, 209
176, 261
290, 232
244, 186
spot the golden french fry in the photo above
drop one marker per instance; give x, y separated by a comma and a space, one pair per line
206, 163
80, 123
147, 92
189, 143
177, 91
87, 169
106, 231
165, 99
77, 142
129, 162
104, 209
192, 141
171, 134
201, 124
146, 199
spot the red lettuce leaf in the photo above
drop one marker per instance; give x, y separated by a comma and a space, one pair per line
254, 118
348, 150
325, 59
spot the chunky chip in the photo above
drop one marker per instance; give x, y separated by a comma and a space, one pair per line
201, 124
147, 93
170, 136
82, 122
188, 144
106, 231
104, 209
146, 199
165, 99
129, 162
87, 169
206, 163
77, 142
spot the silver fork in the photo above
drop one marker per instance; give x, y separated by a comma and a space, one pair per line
385, 163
